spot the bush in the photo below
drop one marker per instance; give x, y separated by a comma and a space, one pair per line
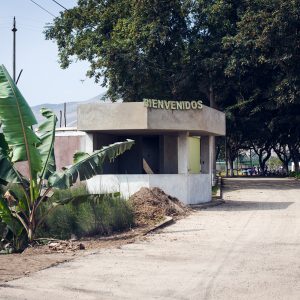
295, 174
86, 217
13, 237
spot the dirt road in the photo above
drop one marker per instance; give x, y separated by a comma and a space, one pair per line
248, 248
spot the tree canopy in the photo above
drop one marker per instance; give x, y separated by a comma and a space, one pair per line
238, 56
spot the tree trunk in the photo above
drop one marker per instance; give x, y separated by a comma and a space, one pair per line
286, 167
285, 158
295, 158
213, 139
31, 226
263, 160
226, 167
30, 235
296, 162
231, 167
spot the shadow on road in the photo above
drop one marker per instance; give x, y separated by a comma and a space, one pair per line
231, 205
260, 183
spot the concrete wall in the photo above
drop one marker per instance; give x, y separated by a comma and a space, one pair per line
188, 188
168, 154
67, 142
124, 117
194, 155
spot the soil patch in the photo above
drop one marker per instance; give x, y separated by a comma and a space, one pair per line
152, 205
40, 257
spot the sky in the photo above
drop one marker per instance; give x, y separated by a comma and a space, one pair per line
42, 80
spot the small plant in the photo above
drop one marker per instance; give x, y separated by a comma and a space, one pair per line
19, 142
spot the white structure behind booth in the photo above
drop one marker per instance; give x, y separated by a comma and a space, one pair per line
172, 151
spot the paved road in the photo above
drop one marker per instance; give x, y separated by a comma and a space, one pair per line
248, 248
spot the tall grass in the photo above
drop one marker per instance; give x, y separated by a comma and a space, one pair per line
86, 217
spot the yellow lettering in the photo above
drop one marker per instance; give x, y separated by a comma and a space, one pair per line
179, 104
194, 104
160, 104
173, 104
164, 104
199, 104
187, 105
167, 105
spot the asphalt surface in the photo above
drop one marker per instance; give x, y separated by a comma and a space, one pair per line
247, 248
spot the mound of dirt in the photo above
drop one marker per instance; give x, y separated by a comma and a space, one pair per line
152, 205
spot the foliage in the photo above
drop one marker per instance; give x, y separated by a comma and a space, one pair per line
20, 143
274, 163
239, 56
294, 174
86, 217
138, 46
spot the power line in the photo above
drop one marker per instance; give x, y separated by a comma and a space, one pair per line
59, 4
44, 9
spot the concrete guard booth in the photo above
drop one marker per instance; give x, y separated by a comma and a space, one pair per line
172, 151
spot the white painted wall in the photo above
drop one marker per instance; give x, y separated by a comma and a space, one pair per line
188, 188
293, 166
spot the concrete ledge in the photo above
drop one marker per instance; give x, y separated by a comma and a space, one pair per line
207, 205
134, 116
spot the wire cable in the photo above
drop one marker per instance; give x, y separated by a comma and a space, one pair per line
44, 9
59, 4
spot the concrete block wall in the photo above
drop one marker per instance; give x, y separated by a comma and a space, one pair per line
188, 188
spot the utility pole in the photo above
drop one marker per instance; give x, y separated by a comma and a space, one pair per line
65, 113
14, 30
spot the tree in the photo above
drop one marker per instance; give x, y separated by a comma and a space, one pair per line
234, 139
265, 54
19, 142
138, 47
238, 56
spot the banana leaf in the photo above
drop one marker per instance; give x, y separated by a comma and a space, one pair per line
8, 174
17, 120
87, 165
6, 216
46, 147
3, 145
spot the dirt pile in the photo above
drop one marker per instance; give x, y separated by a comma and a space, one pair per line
152, 205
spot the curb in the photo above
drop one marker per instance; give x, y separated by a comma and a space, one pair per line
167, 221
207, 204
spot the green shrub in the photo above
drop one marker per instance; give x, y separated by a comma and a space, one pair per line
11, 233
295, 174
86, 217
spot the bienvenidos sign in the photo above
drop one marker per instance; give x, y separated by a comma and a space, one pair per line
174, 105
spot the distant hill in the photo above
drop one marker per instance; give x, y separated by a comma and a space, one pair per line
71, 111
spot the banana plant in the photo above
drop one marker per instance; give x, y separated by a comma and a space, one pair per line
19, 142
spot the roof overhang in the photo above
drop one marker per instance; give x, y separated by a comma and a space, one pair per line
135, 118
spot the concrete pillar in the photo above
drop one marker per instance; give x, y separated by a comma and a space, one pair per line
212, 159
183, 153
89, 143
206, 156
